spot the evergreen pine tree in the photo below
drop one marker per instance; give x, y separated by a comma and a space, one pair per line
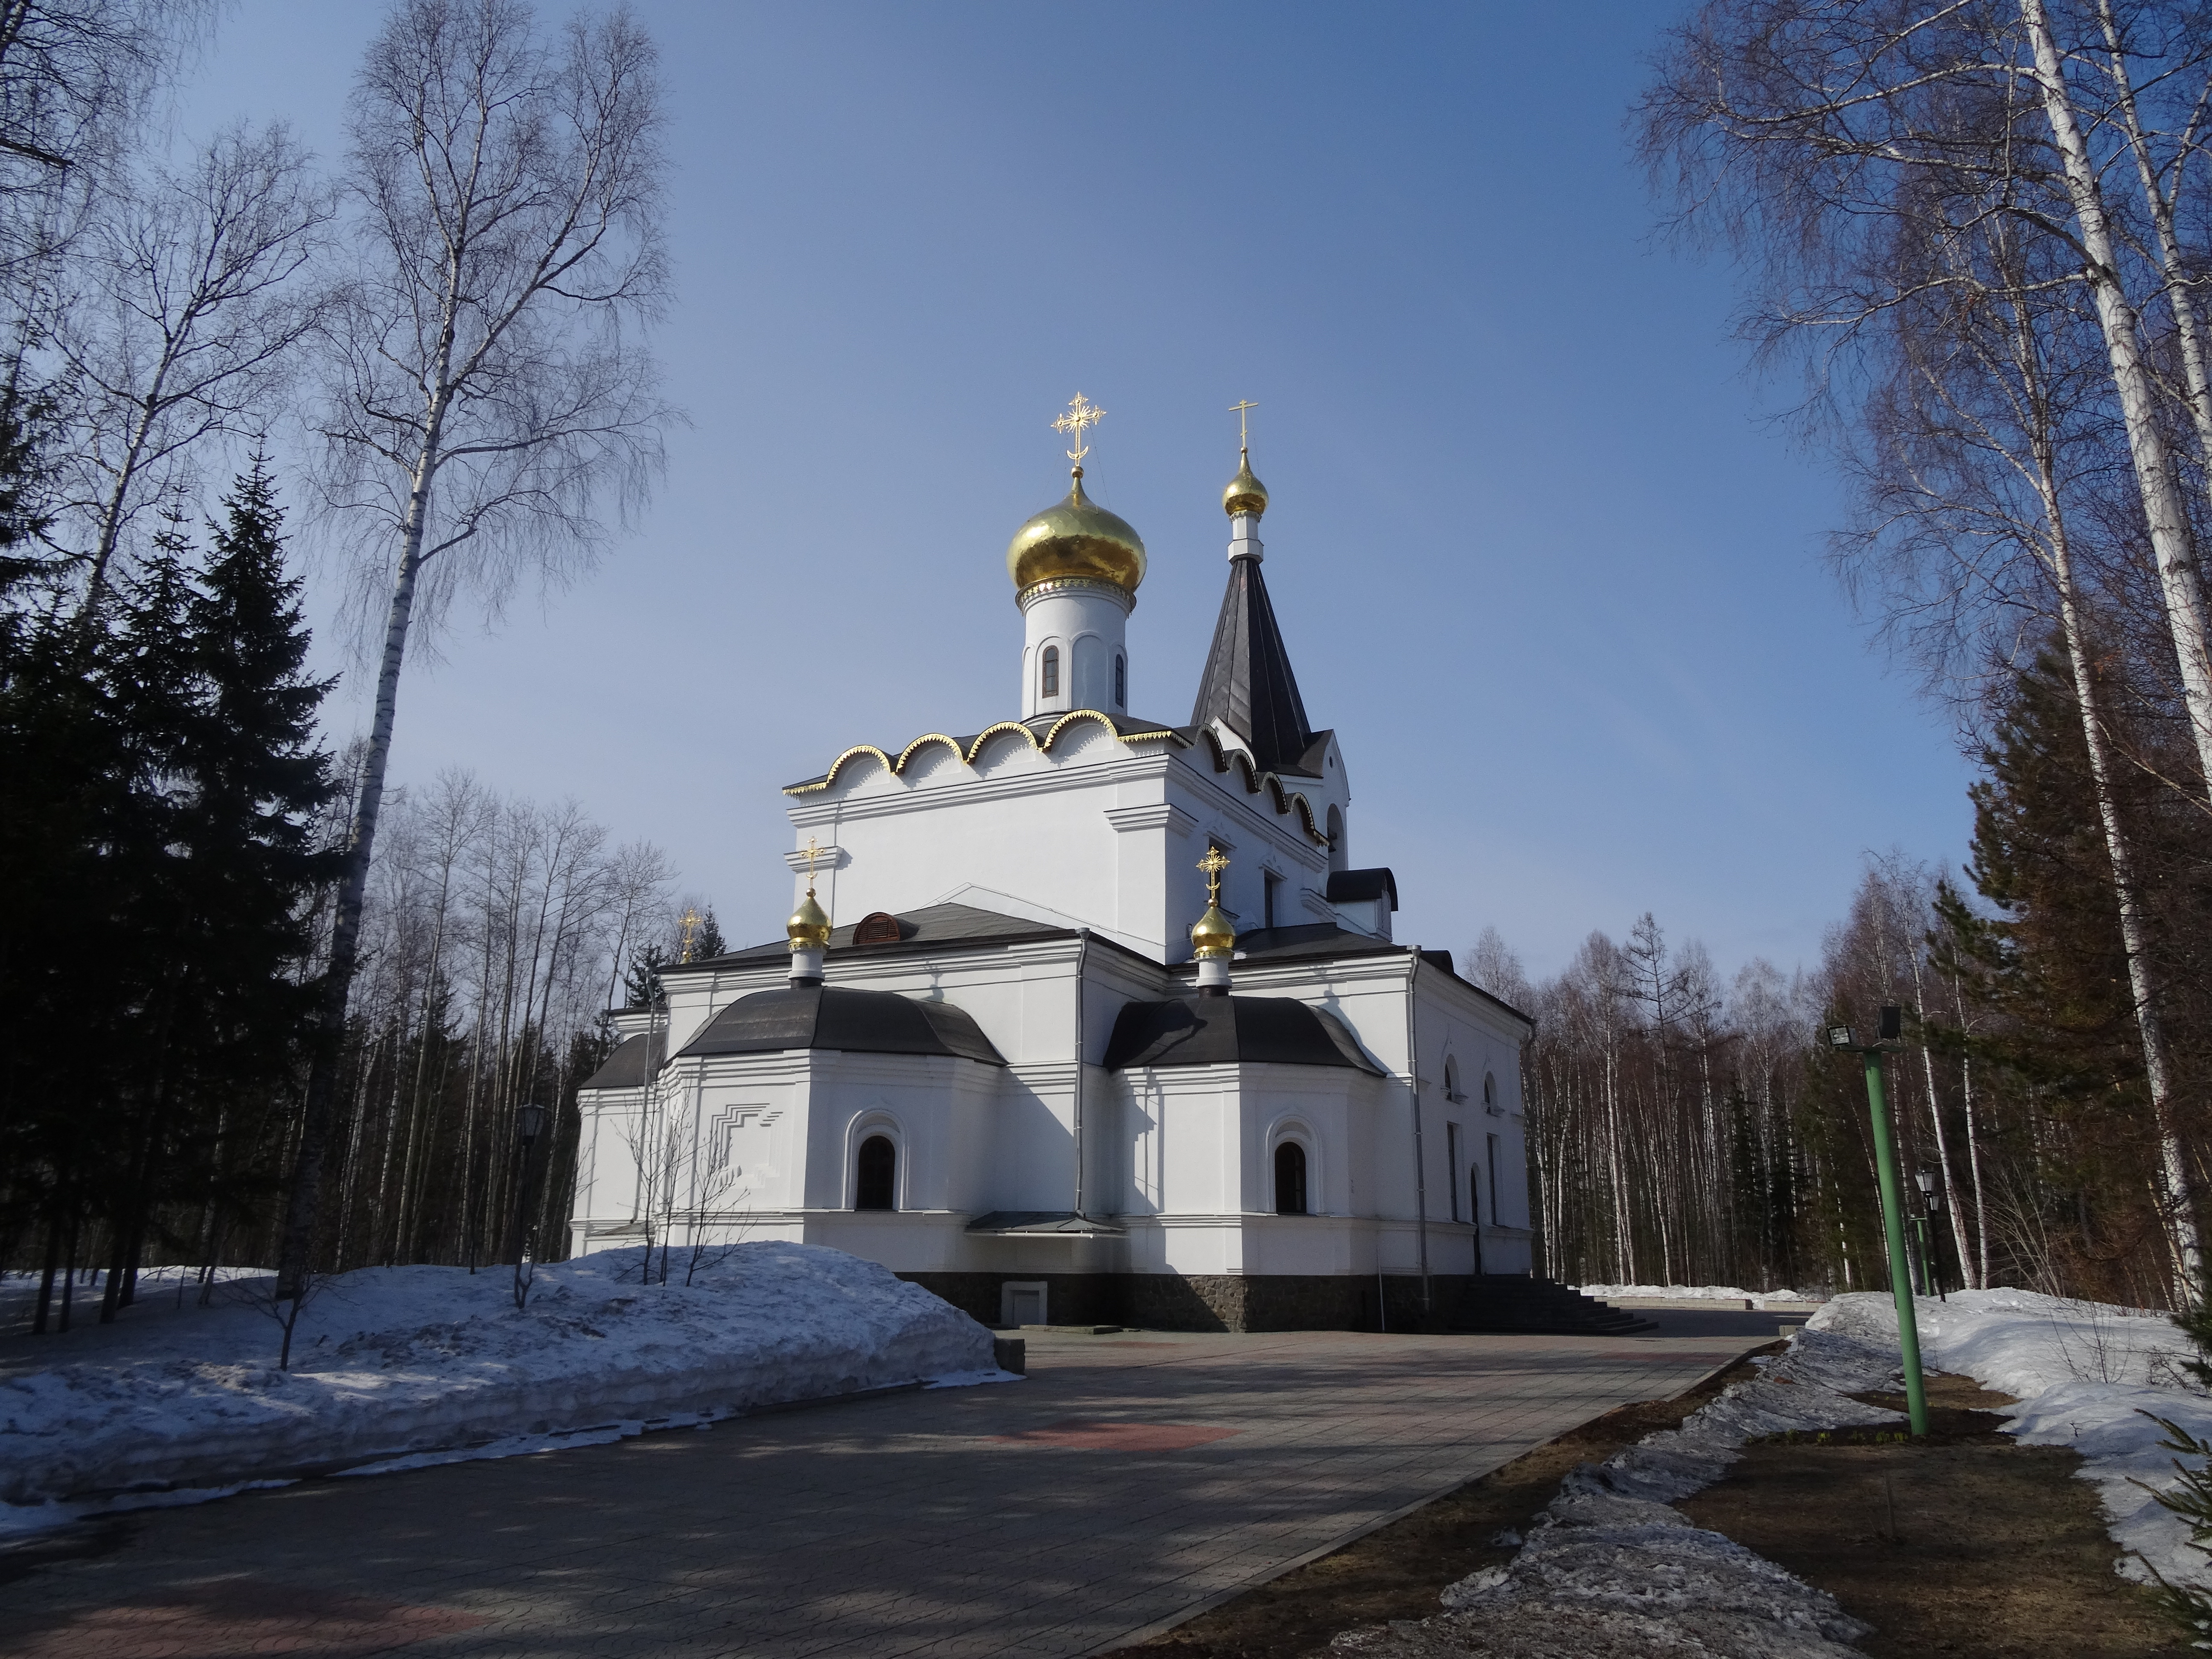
642, 986
707, 941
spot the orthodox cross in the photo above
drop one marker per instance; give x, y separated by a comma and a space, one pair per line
1244, 438
1081, 413
1214, 863
813, 854
687, 930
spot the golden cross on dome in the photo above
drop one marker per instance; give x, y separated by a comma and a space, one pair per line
813, 854
1244, 438
1081, 413
1214, 863
687, 930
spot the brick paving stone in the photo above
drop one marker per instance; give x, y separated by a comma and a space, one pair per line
942, 1524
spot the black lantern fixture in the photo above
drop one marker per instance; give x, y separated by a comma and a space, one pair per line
528, 1120
529, 1124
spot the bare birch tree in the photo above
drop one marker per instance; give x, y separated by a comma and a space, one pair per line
194, 293
488, 399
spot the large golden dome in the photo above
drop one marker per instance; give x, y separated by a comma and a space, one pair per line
1077, 538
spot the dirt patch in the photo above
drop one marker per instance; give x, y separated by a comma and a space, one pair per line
1995, 1550
1398, 1570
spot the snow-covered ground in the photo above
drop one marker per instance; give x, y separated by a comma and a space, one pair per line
2084, 1373
392, 1367
1691, 1293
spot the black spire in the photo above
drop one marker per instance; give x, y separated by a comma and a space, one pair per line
1248, 685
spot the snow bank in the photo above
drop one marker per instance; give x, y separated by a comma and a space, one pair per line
1693, 1293
1610, 1569
396, 1364
2084, 1373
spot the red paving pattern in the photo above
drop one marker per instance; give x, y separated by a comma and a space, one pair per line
237, 1618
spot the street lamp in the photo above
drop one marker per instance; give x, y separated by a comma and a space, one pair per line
529, 1123
1892, 1206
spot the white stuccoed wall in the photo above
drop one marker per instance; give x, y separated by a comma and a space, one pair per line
1099, 833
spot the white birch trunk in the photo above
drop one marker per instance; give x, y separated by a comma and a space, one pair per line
2156, 479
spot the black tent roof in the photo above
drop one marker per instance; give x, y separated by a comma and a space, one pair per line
839, 1016
1233, 1030
1248, 685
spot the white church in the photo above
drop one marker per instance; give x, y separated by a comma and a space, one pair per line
1084, 1017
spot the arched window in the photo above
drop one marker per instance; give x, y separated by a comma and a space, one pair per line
875, 1183
1048, 676
1120, 682
1290, 1179
1451, 1081
1489, 1092
1340, 857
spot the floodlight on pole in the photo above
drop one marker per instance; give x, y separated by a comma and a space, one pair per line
1839, 1036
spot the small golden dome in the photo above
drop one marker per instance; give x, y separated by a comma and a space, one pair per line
1210, 935
1245, 493
809, 927
1077, 538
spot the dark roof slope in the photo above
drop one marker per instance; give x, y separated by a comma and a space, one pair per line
1356, 886
1231, 1031
838, 1016
931, 926
628, 1067
1316, 938
1248, 685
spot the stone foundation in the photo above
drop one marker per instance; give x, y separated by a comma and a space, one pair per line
1209, 1302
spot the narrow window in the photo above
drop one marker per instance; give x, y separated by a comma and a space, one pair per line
1489, 1092
1049, 686
1451, 1152
875, 1184
1492, 1172
1120, 682
1290, 1179
1474, 1196
1451, 1084
1272, 884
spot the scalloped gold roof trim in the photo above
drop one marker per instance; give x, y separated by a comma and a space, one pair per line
1255, 780
896, 768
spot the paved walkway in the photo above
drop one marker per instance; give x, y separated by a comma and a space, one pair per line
1131, 1481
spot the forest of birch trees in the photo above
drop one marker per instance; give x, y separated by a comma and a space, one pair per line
1980, 232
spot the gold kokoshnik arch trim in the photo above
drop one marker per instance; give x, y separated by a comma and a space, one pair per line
1286, 801
974, 747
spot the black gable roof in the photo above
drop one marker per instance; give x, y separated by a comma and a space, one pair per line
838, 1016
1231, 1031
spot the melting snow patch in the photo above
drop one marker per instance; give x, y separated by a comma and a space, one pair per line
400, 1367
1610, 1571
2085, 1373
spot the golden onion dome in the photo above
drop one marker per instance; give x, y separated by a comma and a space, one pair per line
1245, 493
1077, 538
809, 927
1210, 935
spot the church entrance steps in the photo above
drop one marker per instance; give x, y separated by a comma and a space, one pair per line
1520, 1302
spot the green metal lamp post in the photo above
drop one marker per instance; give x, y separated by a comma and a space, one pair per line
1893, 1206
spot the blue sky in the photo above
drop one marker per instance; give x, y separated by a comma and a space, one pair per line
1540, 556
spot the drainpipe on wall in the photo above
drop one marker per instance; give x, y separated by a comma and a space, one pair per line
1420, 1163
1081, 953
